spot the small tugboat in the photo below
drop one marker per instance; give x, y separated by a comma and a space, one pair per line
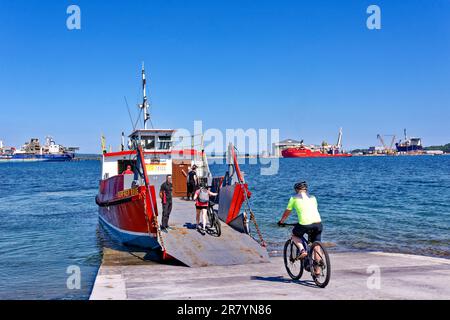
128, 202
33, 151
324, 151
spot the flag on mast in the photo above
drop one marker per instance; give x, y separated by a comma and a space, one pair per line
103, 143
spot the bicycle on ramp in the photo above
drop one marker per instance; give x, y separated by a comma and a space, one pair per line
317, 261
213, 218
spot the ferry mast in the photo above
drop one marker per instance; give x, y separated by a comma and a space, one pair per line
145, 105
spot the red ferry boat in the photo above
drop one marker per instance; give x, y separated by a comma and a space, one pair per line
127, 202
127, 199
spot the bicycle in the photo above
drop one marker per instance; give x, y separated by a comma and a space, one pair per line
316, 253
213, 218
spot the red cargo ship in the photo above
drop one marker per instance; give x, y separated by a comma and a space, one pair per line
304, 152
326, 151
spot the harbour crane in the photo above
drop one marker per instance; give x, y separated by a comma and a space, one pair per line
387, 150
339, 141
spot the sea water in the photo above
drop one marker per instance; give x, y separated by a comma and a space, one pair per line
49, 222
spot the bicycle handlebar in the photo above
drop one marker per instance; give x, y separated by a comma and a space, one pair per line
212, 204
286, 224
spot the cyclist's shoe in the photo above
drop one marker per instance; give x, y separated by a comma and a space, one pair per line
302, 254
200, 230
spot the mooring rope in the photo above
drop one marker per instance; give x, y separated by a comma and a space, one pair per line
258, 231
253, 218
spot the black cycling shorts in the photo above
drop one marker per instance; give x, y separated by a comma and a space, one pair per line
314, 231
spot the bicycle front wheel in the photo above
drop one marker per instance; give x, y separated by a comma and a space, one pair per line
321, 270
292, 262
217, 226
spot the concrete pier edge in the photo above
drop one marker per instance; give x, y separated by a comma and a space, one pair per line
355, 275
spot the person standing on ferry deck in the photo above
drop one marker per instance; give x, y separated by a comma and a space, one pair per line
165, 193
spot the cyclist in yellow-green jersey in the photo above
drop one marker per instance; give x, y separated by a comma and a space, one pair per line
309, 221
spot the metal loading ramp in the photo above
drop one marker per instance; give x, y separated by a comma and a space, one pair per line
186, 244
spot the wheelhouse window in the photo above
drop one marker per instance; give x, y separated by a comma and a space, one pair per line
165, 142
149, 143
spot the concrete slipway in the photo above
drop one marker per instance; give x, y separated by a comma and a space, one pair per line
235, 267
127, 276
124, 276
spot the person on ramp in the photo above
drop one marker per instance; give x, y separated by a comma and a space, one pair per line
192, 183
201, 198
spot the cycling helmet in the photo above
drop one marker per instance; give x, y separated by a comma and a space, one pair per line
301, 186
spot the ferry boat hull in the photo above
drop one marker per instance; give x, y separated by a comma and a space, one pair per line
124, 212
123, 234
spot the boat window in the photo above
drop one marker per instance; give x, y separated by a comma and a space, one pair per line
149, 142
165, 142
123, 164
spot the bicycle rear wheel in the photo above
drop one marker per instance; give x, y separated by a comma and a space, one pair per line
217, 225
321, 271
214, 221
292, 262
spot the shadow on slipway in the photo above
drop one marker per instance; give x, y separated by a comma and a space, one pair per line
306, 283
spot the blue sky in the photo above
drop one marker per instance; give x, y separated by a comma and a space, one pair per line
305, 67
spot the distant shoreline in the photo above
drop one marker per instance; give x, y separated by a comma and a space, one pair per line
354, 155
87, 157
98, 157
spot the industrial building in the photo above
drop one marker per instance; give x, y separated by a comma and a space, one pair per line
284, 144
